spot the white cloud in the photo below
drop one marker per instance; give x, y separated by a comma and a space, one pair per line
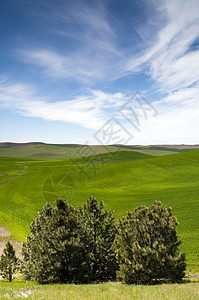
172, 64
89, 111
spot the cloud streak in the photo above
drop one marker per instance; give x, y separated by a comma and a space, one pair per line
171, 62
94, 54
89, 111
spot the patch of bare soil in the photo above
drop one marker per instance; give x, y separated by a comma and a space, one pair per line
4, 238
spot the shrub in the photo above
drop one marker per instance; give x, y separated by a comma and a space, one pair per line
147, 246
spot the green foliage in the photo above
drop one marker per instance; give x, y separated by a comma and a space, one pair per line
57, 249
30, 249
147, 246
102, 231
70, 244
9, 263
80, 245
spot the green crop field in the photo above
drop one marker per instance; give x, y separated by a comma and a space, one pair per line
9, 169
123, 180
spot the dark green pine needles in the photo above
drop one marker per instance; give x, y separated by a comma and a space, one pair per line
147, 246
84, 244
70, 244
9, 263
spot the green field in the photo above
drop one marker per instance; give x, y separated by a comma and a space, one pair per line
9, 169
123, 180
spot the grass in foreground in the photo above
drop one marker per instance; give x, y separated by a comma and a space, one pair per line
19, 290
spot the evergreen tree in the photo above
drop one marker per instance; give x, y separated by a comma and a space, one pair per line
147, 246
102, 230
30, 249
58, 251
70, 244
9, 263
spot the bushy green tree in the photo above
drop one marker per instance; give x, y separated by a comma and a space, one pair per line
70, 244
58, 251
9, 263
147, 246
102, 231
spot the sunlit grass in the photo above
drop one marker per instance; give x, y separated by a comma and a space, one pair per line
111, 291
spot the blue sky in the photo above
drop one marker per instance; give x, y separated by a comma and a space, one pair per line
69, 69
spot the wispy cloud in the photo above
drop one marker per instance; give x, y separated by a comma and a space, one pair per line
58, 66
89, 51
170, 61
89, 111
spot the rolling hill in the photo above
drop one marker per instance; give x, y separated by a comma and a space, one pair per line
123, 180
67, 151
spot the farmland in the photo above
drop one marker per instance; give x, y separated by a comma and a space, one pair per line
122, 179
53, 151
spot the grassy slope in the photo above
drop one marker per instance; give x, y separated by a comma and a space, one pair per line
41, 150
155, 148
9, 168
155, 151
122, 185
46, 151
173, 179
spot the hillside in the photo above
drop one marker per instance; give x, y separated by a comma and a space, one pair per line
51, 151
122, 180
67, 151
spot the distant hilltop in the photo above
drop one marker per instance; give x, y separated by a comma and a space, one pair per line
12, 145
176, 146
41, 150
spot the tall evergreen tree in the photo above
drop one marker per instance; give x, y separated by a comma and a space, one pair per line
9, 263
31, 248
147, 246
102, 230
